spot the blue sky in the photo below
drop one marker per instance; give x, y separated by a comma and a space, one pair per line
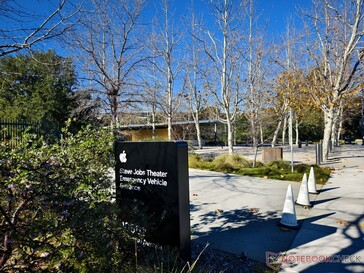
277, 12
273, 14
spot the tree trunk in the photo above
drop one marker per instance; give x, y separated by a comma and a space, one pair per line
275, 136
255, 156
328, 117
153, 124
334, 130
198, 130
230, 137
290, 133
254, 130
335, 135
114, 115
169, 124
261, 133
284, 130
114, 109
297, 132
169, 104
255, 140
340, 126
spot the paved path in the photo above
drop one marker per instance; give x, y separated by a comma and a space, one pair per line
338, 220
239, 214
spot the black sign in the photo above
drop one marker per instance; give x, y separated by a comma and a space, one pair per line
153, 191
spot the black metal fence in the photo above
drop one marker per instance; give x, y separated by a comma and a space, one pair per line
12, 131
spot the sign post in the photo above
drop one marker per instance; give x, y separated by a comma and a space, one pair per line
152, 190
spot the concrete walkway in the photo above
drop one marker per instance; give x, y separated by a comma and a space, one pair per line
239, 214
337, 229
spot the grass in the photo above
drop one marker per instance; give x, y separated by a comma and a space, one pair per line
237, 164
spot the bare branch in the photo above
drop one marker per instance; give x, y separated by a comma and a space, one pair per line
49, 28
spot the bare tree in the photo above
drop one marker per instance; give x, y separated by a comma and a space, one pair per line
280, 107
22, 28
166, 63
338, 27
195, 75
256, 91
288, 83
152, 84
110, 51
222, 49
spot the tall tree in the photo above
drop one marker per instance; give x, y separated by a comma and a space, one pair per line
338, 26
38, 87
151, 94
288, 60
281, 104
110, 51
222, 49
165, 61
256, 91
196, 72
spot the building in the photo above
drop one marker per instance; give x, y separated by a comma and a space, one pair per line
211, 131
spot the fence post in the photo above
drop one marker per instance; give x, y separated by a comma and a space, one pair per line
318, 153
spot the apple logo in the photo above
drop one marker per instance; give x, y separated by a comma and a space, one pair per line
122, 157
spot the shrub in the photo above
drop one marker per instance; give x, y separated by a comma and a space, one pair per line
235, 161
259, 164
57, 212
198, 162
58, 199
280, 164
302, 168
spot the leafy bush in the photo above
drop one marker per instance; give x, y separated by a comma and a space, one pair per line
57, 212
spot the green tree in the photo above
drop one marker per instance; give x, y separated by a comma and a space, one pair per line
37, 87
312, 126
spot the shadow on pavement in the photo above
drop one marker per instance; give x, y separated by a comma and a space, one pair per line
346, 260
328, 189
245, 231
316, 202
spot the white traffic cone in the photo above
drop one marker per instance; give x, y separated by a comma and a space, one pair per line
289, 218
312, 182
303, 198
